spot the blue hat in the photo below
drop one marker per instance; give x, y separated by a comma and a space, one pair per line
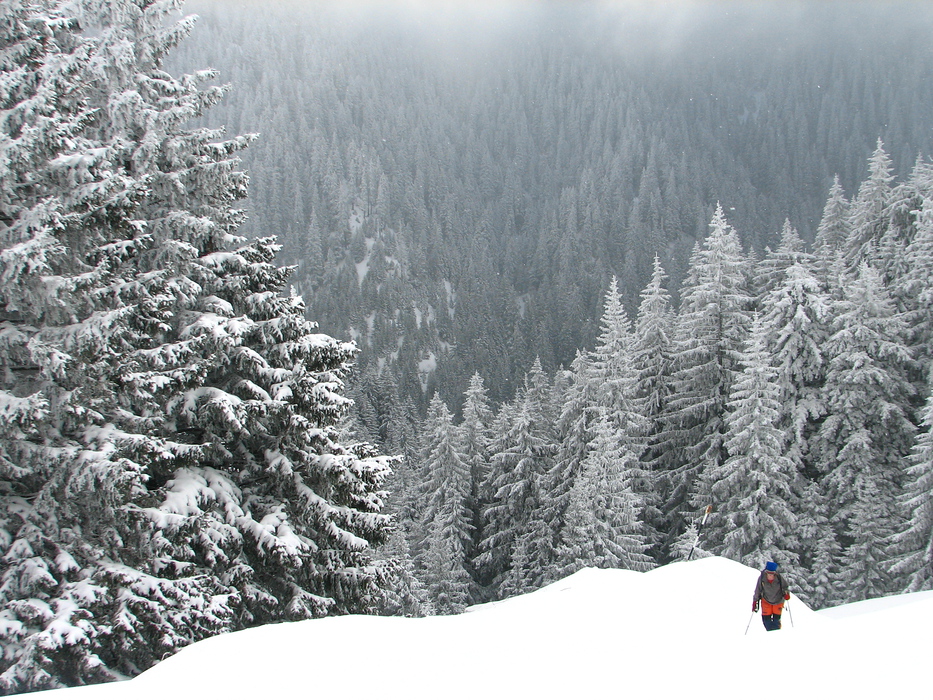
770, 566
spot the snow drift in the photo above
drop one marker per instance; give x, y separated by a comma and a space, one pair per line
678, 630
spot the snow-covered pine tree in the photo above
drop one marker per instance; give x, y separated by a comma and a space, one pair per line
769, 272
866, 437
622, 427
833, 230
652, 363
914, 288
900, 225
753, 488
686, 545
170, 466
574, 435
867, 222
913, 542
817, 575
796, 325
476, 438
447, 522
711, 327
603, 526
522, 454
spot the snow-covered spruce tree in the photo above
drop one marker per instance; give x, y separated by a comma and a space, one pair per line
833, 229
912, 550
652, 364
603, 525
914, 288
42, 586
711, 327
867, 222
170, 467
522, 454
405, 595
574, 436
753, 488
517, 577
609, 359
540, 531
612, 373
817, 576
72, 233
866, 436
404, 592
900, 224
493, 557
476, 438
448, 582
796, 325
620, 437
769, 272
476, 428
652, 348
688, 545
446, 518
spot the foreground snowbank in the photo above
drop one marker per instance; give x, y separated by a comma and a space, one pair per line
679, 629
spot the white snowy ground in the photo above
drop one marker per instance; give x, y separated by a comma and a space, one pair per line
676, 631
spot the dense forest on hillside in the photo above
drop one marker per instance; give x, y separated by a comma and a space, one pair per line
458, 186
482, 200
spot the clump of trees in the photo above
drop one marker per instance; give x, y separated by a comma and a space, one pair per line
790, 392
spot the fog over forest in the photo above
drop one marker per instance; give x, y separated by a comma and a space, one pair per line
491, 165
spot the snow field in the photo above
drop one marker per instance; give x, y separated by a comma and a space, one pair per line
678, 630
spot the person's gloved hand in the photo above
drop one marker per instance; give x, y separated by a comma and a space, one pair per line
755, 606
787, 596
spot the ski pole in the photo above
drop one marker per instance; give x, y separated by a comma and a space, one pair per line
787, 605
696, 541
749, 621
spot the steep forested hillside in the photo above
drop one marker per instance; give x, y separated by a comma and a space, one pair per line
457, 186
609, 265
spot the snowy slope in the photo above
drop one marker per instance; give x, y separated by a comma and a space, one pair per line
676, 631
878, 605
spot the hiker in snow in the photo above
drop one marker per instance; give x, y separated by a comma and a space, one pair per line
771, 591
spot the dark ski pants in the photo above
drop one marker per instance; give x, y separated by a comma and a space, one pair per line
771, 622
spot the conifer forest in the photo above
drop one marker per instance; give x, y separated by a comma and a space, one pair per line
318, 308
